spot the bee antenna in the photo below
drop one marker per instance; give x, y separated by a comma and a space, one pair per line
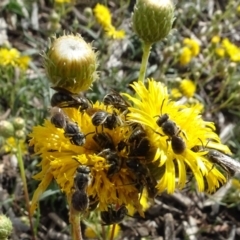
162, 104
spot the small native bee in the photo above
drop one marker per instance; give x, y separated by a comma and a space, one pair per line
143, 176
224, 161
107, 120
113, 160
82, 178
113, 216
116, 100
170, 129
72, 132
80, 200
64, 99
104, 140
139, 143
58, 118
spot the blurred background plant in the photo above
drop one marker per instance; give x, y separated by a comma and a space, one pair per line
199, 62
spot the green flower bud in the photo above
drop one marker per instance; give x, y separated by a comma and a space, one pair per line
20, 134
152, 19
71, 63
88, 12
232, 67
6, 129
5, 227
18, 123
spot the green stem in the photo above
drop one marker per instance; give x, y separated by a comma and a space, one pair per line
23, 177
74, 219
146, 53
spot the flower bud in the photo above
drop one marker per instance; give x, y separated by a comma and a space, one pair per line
18, 123
5, 227
20, 134
232, 67
152, 19
6, 129
71, 63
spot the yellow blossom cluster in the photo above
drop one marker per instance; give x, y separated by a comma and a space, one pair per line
138, 152
191, 49
104, 18
12, 57
225, 48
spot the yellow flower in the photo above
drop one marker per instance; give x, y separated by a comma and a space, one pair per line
23, 62
193, 45
61, 158
115, 34
175, 93
154, 101
9, 57
188, 88
90, 231
185, 56
11, 145
215, 39
103, 15
220, 51
232, 50
104, 18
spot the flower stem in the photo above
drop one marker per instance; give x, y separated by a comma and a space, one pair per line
74, 219
146, 53
23, 177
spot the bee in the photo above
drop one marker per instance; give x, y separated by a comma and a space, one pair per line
224, 161
72, 132
143, 176
107, 120
58, 119
113, 160
104, 140
170, 129
116, 100
80, 201
82, 179
113, 216
139, 143
63, 99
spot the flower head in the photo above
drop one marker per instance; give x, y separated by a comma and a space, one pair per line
101, 152
188, 88
104, 18
71, 63
9, 56
190, 131
185, 56
103, 15
152, 19
12, 57
193, 45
